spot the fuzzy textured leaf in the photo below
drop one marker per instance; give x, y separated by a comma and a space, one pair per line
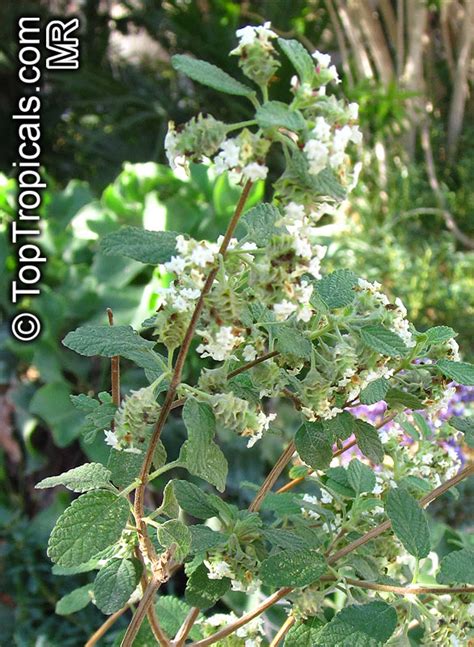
303, 634
408, 522
200, 454
361, 477
439, 334
202, 592
460, 372
396, 398
89, 476
293, 567
299, 57
369, 441
374, 391
466, 426
90, 524
275, 114
457, 567
383, 341
260, 223
115, 583
210, 75
290, 341
107, 341
74, 601
336, 289
314, 445
150, 247
175, 532
204, 538
364, 625
172, 612
193, 500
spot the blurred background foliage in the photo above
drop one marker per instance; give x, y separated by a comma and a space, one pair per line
409, 224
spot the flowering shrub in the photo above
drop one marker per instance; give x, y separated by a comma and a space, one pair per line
275, 328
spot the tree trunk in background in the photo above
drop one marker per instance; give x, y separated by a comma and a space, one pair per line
361, 58
416, 14
460, 89
376, 40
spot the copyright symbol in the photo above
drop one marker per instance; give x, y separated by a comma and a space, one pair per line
25, 326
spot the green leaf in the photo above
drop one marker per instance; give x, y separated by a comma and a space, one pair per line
115, 583
124, 466
361, 477
74, 601
290, 341
107, 341
422, 425
100, 413
362, 625
175, 532
151, 247
439, 334
303, 634
466, 426
369, 441
293, 567
210, 75
169, 506
204, 538
338, 481
408, 522
460, 372
283, 504
193, 500
374, 391
201, 592
383, 341
260, 223
283, 538
324, 184
336, 289
80, 479
314, 445
457, 567
275, 114
396, 398
200, 454
91, 523
299, 57
172, 612
341, 426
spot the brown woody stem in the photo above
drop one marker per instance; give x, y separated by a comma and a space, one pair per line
115, 368
146, 546
102, 630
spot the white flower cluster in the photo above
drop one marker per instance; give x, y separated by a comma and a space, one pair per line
327, 145
218, 569
250, 635
323, 63
234, 158
250, 35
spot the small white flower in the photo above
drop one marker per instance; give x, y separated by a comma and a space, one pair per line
284, 309
111, 439
249, 353
317, 154
326, 497
218, 570
176, 264
322, 129
255, 171
353, 111
323, 59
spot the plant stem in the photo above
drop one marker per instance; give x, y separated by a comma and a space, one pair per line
146, 546
185, 628
104, 627
401, 590
114, 368
284, 629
